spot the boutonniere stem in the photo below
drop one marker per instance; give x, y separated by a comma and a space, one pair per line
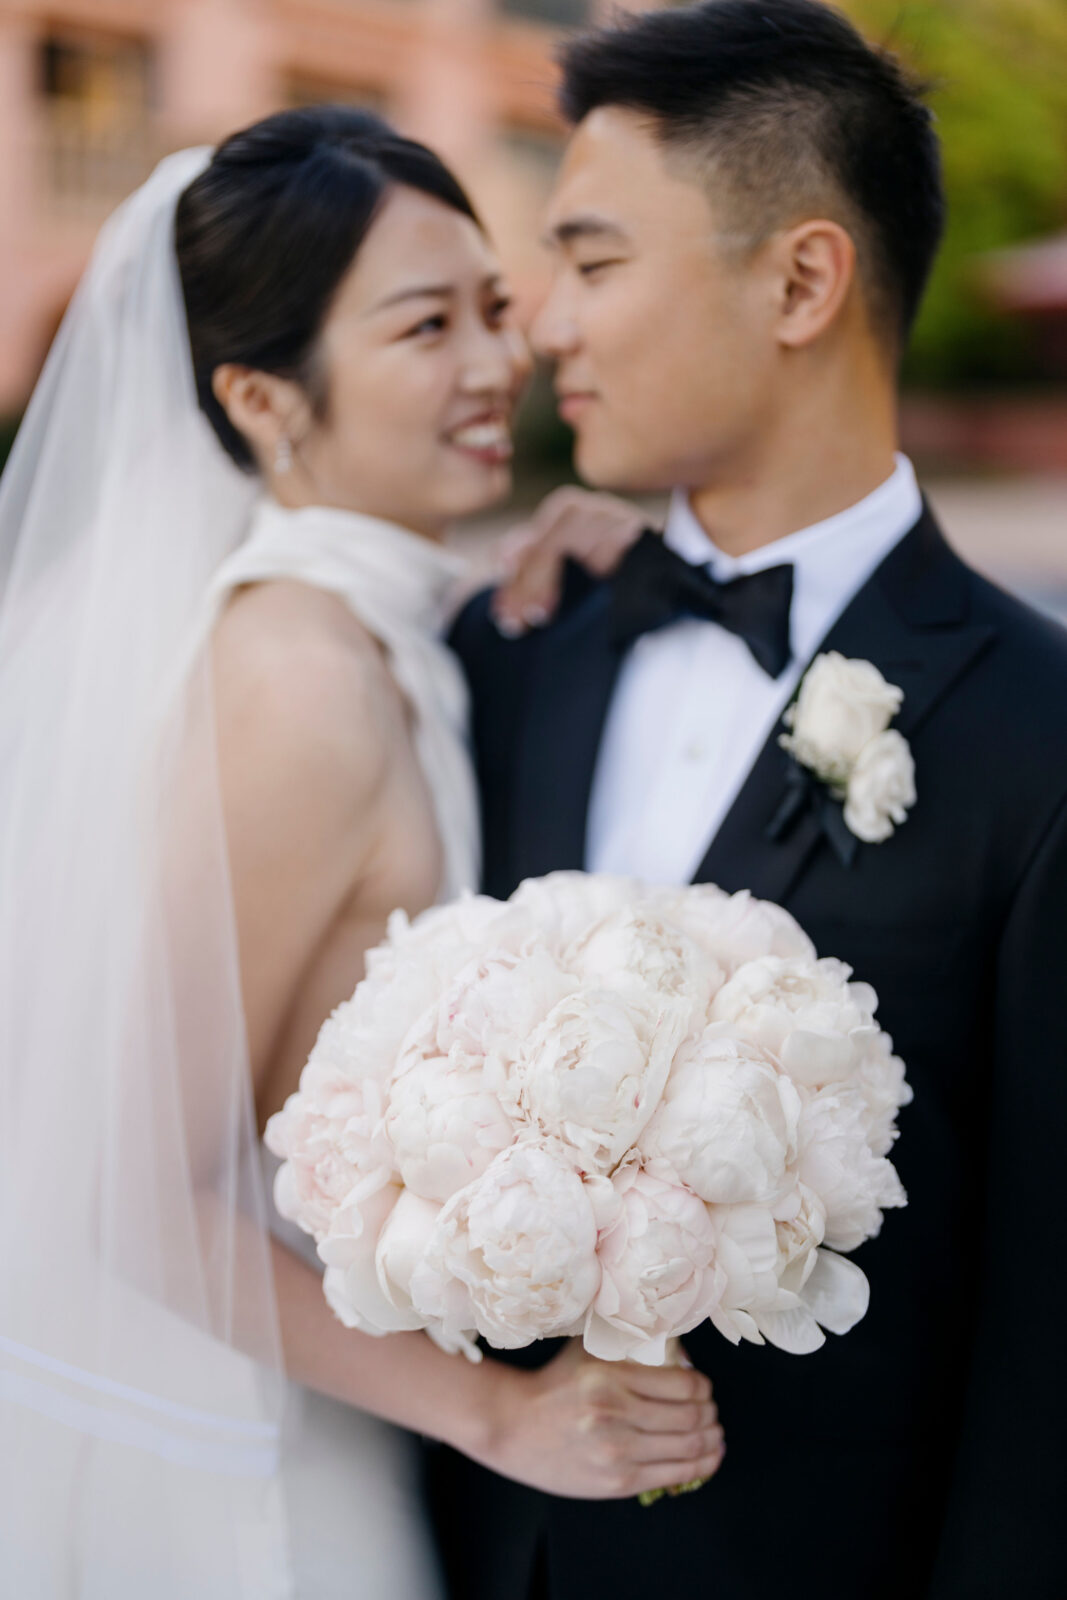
803, 793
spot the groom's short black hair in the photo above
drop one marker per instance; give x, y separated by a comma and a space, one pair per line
790, 111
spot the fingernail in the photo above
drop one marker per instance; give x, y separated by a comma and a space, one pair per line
508, 627
535, 616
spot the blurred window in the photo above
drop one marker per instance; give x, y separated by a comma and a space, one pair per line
99, 138
303, 89
560, 12
535, 154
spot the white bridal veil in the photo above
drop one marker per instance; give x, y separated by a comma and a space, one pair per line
139, 1359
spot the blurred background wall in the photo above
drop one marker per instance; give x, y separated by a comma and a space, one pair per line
93, 92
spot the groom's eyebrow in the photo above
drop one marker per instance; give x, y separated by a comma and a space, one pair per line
590, 226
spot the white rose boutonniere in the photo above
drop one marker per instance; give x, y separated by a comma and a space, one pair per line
842, 705
881, 787
839, 731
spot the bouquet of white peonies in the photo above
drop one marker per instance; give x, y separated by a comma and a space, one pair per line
596, 1109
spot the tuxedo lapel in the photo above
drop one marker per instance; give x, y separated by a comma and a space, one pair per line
572, 686
910, 620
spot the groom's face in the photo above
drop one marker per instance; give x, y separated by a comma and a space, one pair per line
659, 320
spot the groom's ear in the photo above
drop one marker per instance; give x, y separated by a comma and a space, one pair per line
816, 271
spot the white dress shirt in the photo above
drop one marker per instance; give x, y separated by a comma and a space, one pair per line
692, 709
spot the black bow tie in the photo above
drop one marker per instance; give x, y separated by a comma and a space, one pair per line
653, 587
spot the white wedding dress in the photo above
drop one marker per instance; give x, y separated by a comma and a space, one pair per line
351, 1484
149, 1442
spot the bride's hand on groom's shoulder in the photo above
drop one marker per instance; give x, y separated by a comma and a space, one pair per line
595, 530
600, 1430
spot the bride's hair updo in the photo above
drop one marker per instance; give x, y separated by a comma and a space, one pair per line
267, 232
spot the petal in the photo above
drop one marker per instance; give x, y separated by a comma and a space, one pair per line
354, 1297
736, 1325
455, 1344
795, 1331
606, 1342
837, 1293
402, 1245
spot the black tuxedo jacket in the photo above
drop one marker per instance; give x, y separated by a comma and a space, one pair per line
921, 1457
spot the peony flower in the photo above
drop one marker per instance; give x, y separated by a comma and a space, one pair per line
659, 1273
733, 928
800, 1227
879, 1077
351, 1283
593, 1073
842, 705
406, 974
806, 1014
563, 906
445, 934
513, 1255
837, 1161
835, 1295
401, 1246
349, 1047
331, 1138
727, 1124
493, 1007
881, 788
747, 1253
640, 946
780, 1287
445, 1125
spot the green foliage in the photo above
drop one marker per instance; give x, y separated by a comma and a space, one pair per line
999, 74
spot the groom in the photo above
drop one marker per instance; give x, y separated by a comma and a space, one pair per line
743, 227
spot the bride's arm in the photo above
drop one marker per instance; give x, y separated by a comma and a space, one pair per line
582, 1428
304, 752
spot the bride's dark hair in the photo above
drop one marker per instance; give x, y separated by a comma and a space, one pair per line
267, 232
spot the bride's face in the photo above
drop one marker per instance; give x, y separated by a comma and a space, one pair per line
421, 366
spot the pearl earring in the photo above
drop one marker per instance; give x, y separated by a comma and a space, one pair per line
283, 455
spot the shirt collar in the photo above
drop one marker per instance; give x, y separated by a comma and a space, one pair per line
896, 503
831, 559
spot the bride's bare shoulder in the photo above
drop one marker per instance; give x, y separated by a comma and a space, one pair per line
295, 672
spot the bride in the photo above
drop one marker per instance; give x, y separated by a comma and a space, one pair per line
232, 742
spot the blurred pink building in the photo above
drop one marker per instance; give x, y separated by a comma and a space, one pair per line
1022, 433
93, 92
1031, 282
